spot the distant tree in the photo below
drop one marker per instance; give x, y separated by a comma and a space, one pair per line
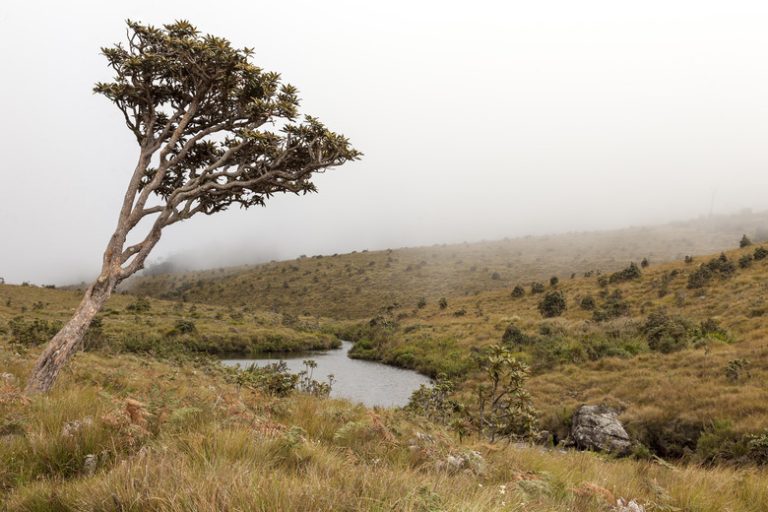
645, 263
553, 281
213, 130
745, 242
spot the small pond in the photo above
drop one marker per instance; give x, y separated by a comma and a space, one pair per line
373, 384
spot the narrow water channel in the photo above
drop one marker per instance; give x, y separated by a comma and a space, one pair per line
373, 384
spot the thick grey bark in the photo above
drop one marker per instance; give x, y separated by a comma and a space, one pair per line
69, 339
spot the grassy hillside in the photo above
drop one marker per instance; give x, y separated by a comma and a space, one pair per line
29, 316
122, 432
358, 284
678, 359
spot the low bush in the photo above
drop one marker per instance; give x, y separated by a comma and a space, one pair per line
32, 332
666, 333
627, 274
553, 304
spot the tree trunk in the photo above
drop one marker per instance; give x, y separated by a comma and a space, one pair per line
69, 339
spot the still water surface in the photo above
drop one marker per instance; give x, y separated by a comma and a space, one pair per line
360, 381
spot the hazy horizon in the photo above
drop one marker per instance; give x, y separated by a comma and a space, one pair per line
477, 122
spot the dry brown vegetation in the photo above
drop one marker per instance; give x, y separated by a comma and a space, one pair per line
358, 284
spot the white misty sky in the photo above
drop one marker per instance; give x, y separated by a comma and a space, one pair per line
478, 120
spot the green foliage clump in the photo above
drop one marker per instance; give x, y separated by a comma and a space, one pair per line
745, 261
513, 335
745, 242
183, 326
140, 305
434, 402
587, 303
720, 266
614, 306
32, 332
666, 333
737, 370
760, 253
553, 304
537, 288
273, 379
504, 407
627, 274
518, 292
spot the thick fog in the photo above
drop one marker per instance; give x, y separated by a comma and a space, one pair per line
478, 120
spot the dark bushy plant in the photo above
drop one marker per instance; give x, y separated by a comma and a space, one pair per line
553, 304
518, 291
587, 303
720, 266
513, 335
537, 287
627, 274
666, 333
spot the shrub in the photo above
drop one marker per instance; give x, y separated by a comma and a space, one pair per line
434, 402
745, 261
645, 263
537, 287
614, 306
720, 266
515, 336
273, 379
421, 303
553, 304
504, 407
666, 333
587, 303
745, 242
183, 326
689, 259
140, 305
553, 281
627, 274
495, 276
32, 332
518, 291
443, 303
736, 370
760, 253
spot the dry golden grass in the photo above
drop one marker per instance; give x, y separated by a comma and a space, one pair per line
358, 284
177, 438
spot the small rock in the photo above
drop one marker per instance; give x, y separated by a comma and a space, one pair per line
596, 427
471, 461
628, 506
71, 428
90, 463
424, 438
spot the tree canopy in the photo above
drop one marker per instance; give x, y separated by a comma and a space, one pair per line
214, 129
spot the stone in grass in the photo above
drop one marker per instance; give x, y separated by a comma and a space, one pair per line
597, 428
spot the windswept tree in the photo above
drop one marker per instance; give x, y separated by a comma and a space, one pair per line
213, 130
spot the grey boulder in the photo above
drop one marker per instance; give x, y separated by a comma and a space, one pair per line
597, 428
